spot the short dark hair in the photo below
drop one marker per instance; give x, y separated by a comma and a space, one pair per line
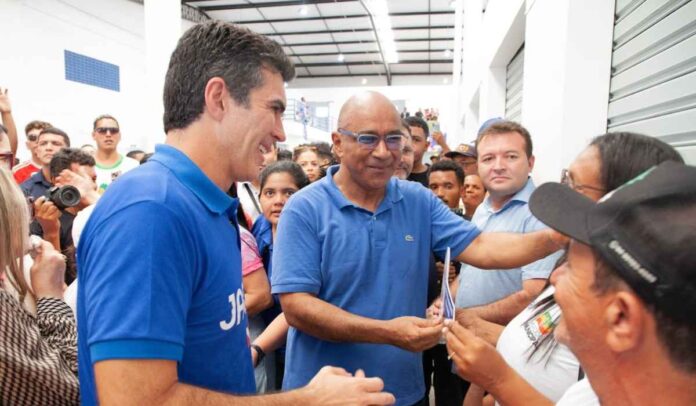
289, 167
56, 131
448, 165
415, 121
66, 157
36, 124
669, 239
217, 49
625, 155
103, 117
284, 154
324, 150
507, 126
405, 124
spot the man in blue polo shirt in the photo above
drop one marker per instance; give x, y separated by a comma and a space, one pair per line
161, 315
351, 259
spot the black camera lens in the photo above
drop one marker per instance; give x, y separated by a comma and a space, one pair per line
64, 196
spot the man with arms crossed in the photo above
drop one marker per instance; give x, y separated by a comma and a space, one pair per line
160, 244
351, 257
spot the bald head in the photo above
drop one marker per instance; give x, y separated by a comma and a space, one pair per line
366, 104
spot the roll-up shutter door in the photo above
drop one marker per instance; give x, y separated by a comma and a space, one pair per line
513, 86
653, 79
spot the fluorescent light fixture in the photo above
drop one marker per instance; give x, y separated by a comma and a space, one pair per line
364, 81
303, 10
380, 18
448, 53
341, 57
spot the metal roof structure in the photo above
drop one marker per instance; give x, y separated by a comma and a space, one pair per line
337, 38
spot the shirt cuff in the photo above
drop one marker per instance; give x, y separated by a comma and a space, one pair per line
294, 288
136, 349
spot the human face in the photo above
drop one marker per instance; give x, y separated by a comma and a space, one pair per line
420, 143
269, 157
474, 193
503, 164
406, 164
275, 193
31, 145
247, 133
467, 163
369, 169
107, 135
582, 326
444, 185
49, 144
86, 171
584, 174
309, 161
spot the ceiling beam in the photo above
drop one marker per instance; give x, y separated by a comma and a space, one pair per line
364, 52
339, 17
349, 30
298, 44
269, 4
343, 75
377, 62
379, 44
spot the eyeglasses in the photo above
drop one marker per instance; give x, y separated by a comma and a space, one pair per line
6, 160
393, 142
567, 180
104, 130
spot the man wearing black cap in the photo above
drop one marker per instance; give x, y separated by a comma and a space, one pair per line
627, 292
465, 156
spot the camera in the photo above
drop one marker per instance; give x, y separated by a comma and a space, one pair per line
63, 196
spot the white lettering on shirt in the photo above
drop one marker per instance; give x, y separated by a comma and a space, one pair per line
237, 310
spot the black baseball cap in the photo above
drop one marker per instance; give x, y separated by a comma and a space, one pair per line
645, 230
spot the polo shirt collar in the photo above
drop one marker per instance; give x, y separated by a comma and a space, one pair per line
392, 195
40, 178
188, 173
522, 196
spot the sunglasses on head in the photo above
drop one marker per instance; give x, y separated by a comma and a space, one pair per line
104, 130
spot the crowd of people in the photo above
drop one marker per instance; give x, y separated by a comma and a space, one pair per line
224, 269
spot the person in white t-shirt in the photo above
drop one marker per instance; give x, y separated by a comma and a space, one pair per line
110, 164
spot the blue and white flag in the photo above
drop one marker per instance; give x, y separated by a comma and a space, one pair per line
445, 294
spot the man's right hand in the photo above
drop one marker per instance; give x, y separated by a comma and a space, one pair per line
86, 186
48, 216
336, 387
415, 334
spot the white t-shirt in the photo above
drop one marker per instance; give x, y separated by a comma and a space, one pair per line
579, 394
550, 374
107, 174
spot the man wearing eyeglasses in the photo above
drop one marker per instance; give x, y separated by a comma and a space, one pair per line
110, 164
29, 167
351, 258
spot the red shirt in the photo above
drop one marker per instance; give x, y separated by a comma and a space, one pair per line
24, 171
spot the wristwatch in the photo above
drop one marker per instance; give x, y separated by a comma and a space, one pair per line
259, 353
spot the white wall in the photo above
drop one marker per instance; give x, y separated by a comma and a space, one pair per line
35, 35
566, 71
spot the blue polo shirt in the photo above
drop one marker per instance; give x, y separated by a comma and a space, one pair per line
477, 286
36, 186
160, 278
370, 264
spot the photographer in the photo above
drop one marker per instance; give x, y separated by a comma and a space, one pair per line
55, 212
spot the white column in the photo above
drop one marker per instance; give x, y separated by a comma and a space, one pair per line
566, 78
162, 31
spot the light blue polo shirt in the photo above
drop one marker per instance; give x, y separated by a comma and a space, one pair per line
479, 286
160, 278
370, 264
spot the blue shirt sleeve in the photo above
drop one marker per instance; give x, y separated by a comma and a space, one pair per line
138, 278
296, 251
448, 229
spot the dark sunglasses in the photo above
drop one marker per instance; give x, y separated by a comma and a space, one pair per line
104, 130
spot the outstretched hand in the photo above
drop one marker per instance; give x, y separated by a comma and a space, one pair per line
334, 386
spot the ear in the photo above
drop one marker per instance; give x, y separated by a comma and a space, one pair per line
531, 163
216, 98
625, 318
337, 144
